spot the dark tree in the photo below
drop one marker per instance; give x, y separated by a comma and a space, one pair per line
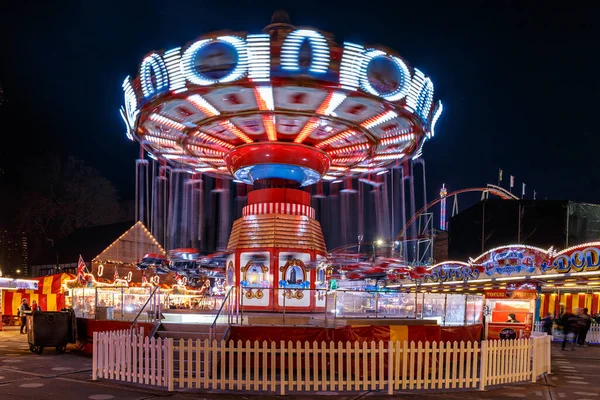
58, 196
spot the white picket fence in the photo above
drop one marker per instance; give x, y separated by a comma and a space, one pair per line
127, 356
593, 335
292, 367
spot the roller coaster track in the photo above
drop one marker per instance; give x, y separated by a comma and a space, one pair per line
490, 189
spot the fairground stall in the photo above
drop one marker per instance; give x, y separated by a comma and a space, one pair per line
122, 299
574, 283
8, 287
121, 257
510, 312
504, 284
518, 284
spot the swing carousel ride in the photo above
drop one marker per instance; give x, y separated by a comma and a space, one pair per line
277, 111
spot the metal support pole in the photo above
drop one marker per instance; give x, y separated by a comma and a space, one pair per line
241, 306
483, 228
403, 202
284, 307
326, 303
465, 316
335, 305
445, 304
413, 227
567, 227
416, 303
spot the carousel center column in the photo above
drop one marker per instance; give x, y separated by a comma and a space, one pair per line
277, 246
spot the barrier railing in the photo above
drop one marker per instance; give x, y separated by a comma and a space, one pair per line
290, 367
154, 312
227, 313
447, 309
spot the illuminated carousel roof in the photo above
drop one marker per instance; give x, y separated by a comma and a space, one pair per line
230, 103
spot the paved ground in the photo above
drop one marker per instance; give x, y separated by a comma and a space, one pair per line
24, 375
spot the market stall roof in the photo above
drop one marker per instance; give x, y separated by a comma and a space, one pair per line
130, 246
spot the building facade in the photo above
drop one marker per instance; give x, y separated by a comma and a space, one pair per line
13, 253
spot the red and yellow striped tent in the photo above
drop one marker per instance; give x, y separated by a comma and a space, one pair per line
551, 302
49, 295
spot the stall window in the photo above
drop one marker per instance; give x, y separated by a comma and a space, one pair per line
455, 309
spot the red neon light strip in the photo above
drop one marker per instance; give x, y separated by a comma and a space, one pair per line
235, 130
313, 122
307, 130
212, 139
211, 160
348, 149
335, 138
269, 123
207, 150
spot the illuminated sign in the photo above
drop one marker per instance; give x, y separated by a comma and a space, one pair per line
8, 283
226, 59
510, 294
451, 272
577, 260
508, 333
513, 260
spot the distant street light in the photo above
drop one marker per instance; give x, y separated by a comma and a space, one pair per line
18, 271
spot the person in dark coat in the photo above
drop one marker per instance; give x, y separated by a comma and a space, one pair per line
512, 319
584, 323
547, 324
24, 309
569, 322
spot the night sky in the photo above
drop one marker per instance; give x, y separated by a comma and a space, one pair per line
519, 85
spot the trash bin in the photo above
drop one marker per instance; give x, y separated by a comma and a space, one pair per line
72, 325
48, 329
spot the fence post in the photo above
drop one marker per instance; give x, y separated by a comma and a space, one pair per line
94, 356
534, 360
391, 363
282, 368
549, 355
483, 364
169, 365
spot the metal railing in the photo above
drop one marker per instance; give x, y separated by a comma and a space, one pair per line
230, 304
154, 312
446, 309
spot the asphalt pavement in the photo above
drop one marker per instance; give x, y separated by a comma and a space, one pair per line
24, 375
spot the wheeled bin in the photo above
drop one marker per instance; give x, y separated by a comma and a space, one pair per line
49, 329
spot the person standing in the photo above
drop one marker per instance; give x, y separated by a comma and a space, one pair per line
24, 309
569, 324
584, 322
35, 306
547, 324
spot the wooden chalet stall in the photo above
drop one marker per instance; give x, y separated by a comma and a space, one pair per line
114, 282
123, 254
